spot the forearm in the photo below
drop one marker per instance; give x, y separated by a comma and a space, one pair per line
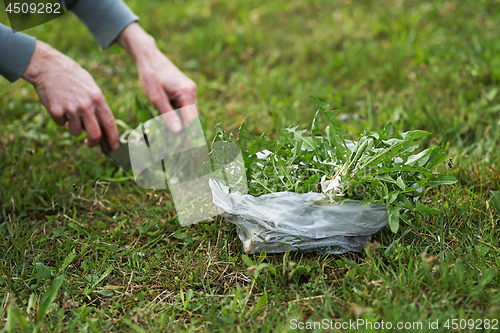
138, 43
42, 55
164, 84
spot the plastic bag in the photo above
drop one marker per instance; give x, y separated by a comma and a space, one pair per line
300, 221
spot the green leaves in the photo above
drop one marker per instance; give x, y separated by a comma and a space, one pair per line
49, 298
247, 260
14, 316
104, 275
379, 168
42, 271
262, 301
419, 159
441, 180
400, 183
67, 261
393, 213
412, 135
387, 132
424, 209
488, 275
318, 103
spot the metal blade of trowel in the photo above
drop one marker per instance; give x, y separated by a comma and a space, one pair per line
121, 156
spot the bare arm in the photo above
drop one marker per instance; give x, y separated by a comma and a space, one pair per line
164, 84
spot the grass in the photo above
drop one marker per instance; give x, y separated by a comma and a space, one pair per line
128, 266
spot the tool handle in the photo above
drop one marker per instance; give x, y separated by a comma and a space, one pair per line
104, 143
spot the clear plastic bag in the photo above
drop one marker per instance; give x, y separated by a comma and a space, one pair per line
300, 221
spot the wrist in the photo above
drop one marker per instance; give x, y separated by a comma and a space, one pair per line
138, 43
38, 62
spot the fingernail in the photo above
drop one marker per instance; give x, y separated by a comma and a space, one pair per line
115, 145
176, 126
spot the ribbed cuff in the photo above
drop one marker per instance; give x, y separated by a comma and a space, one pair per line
105, 19
16, 50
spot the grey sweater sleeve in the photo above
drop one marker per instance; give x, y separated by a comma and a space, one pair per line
104, 18
15, 53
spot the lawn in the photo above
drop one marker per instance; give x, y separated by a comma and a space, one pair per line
127, 265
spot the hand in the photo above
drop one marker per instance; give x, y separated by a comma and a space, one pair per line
71, 95
164, 84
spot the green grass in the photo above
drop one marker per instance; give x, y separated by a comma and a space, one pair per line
128, 266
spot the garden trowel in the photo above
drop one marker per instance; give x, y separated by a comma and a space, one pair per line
121, 156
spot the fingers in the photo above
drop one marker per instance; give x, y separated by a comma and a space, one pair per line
173, 121
162, 103
108, 124
73, 124
93, 129
58, 116
189, 106
93, 116
72, 97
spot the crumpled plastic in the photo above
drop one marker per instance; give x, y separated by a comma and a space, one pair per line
280, 221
